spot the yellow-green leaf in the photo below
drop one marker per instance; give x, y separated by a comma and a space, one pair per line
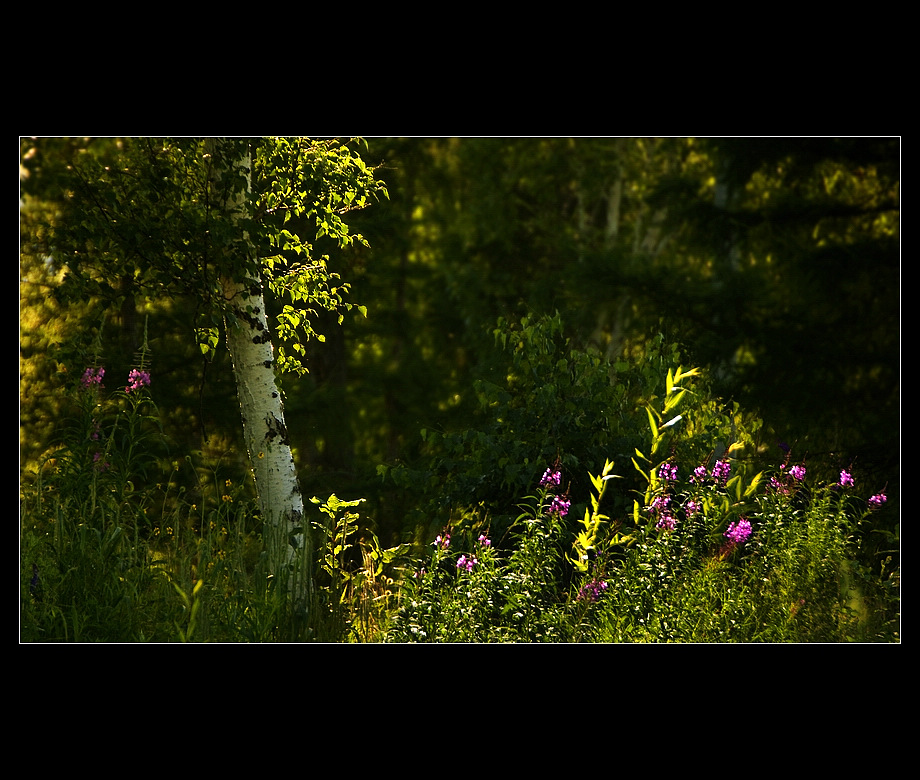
652, 422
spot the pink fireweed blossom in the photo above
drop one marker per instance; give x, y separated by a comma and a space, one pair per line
878, 500
592, 591
738, 533
778, 486
92, 377
485, 541
442, 542
559, 506
700, 475
551, 478
659, 507
721, 471
137, 380
846, 479
667, 472
797, 473
660, 504
466, 563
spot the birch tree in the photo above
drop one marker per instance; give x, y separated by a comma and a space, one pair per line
221, 221
250, 345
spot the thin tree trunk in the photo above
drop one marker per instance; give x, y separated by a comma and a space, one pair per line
285, 538
264, 429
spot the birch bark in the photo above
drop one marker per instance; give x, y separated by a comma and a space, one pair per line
265, 433
264, 429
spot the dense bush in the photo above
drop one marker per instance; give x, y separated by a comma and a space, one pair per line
543, 399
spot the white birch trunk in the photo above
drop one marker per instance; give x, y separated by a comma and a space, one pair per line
280, 500
264, 429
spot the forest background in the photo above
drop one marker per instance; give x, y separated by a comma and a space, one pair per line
772, 262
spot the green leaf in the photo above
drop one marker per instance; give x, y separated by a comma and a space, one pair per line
682, 375
734, 487
653, 424
755, 484
673, 400
644, 474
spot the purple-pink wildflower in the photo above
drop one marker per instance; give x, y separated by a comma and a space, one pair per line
738, 533
700, 475
485, 541
660, 504
92, 377
721, 471
551, 478
878, 500
137, 380
666, 523
466, 563
559, 506
797, 473
846, 479
667, 472
442, 542
692, 507
778, 486
592, 590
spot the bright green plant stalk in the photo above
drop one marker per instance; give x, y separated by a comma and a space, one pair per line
586, 538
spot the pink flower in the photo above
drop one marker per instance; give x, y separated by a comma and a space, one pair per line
592, 590
559, 506
721, 471
138, 379
738, 533
92, 377
551, 477
700, 475
667, 472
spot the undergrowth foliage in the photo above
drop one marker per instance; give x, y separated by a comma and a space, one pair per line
689, 531
714, 549
114, 547
688, 567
